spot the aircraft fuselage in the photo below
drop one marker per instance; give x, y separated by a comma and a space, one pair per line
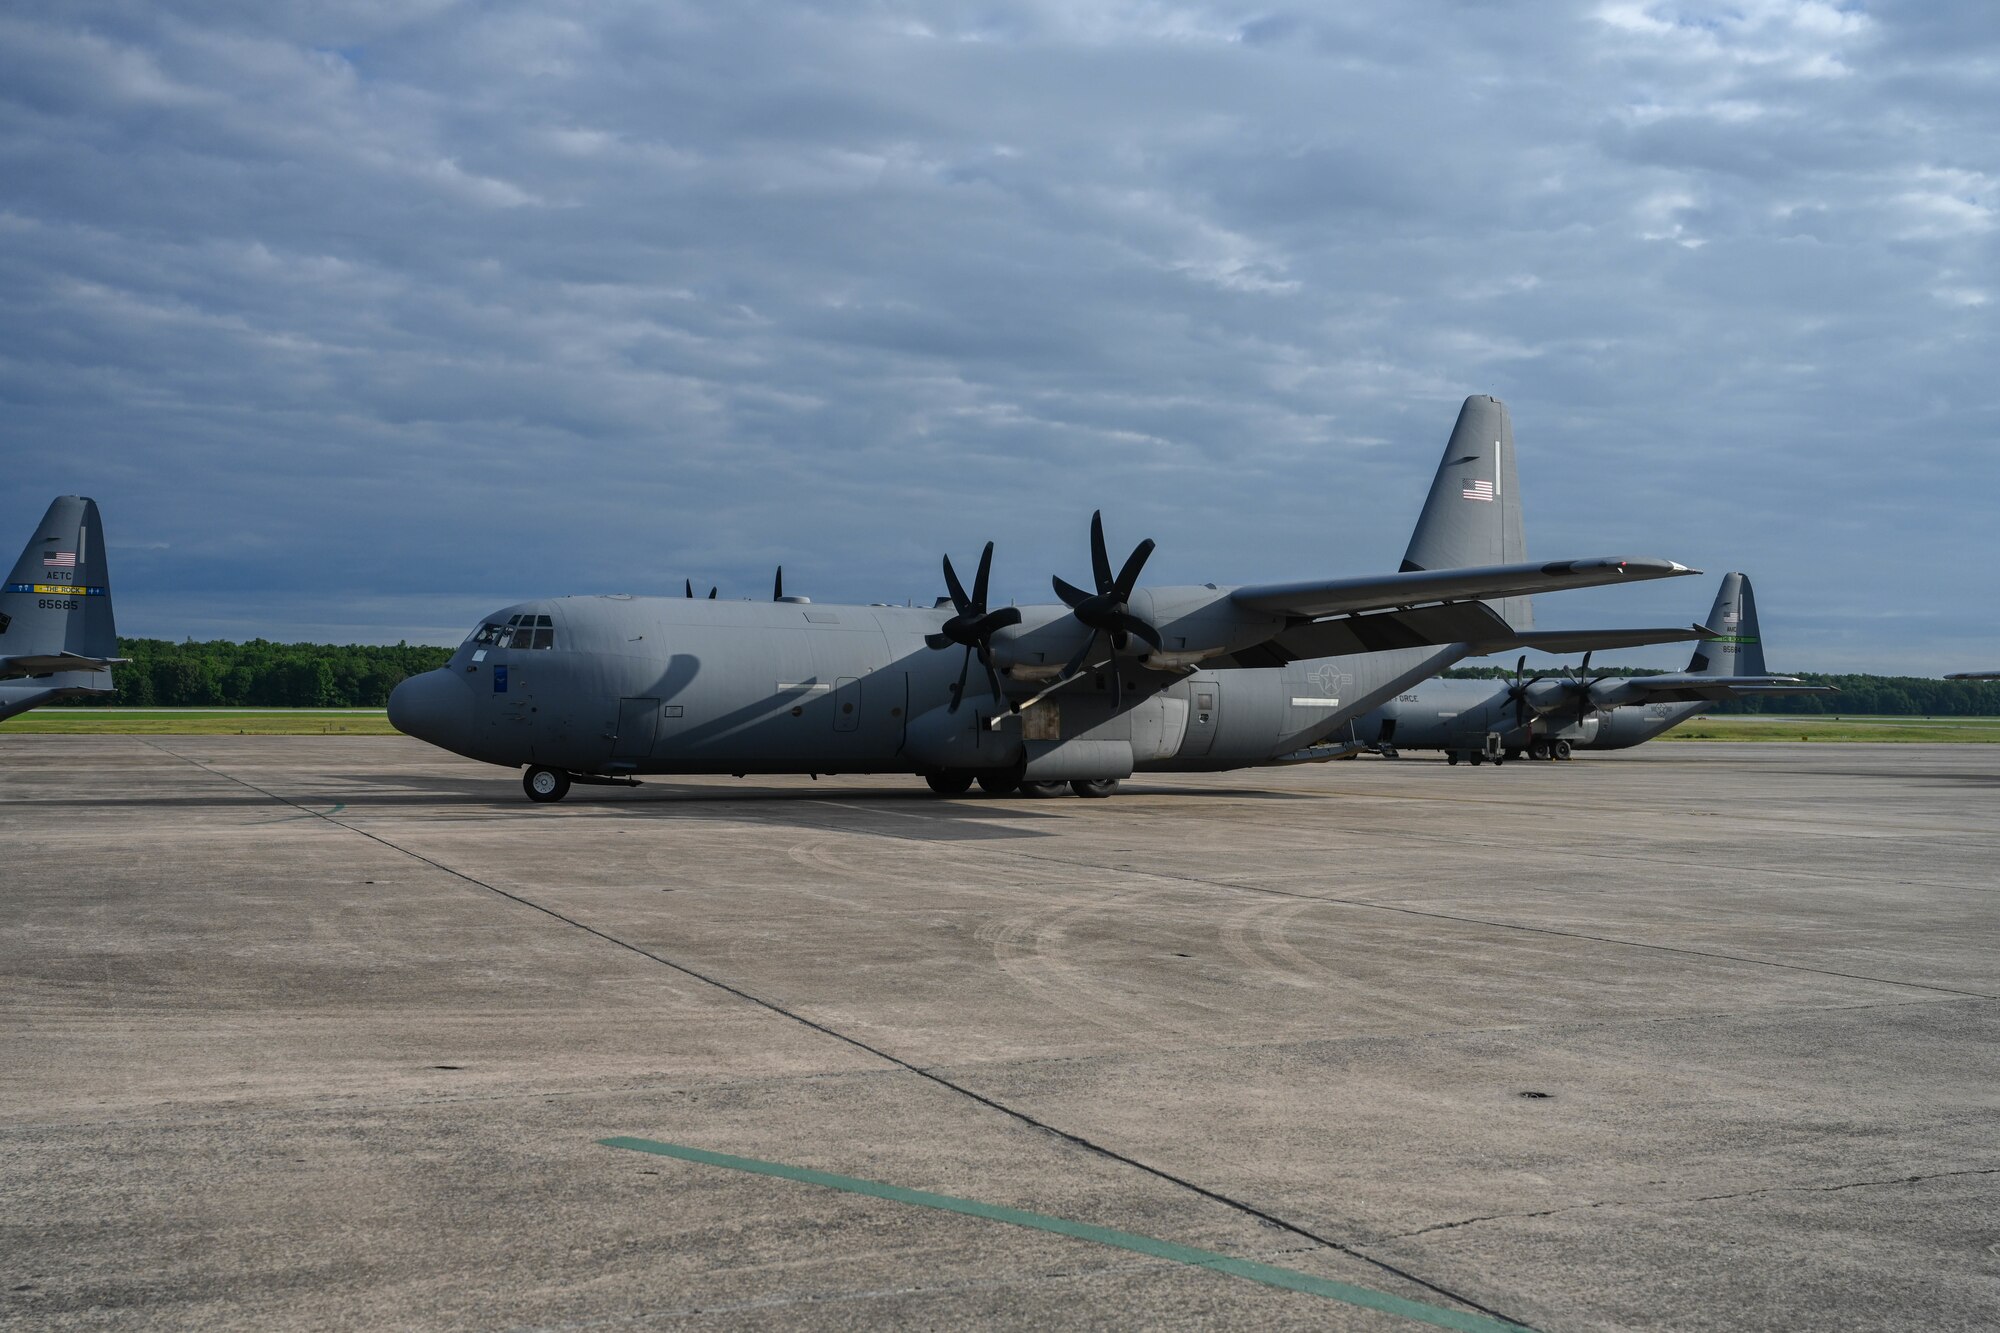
635, 685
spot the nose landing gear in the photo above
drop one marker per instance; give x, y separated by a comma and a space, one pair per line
545, 784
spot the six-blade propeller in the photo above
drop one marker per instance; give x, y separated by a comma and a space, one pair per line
973, 626
1107, 611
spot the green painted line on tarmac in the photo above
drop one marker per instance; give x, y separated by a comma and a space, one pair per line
1270, 1275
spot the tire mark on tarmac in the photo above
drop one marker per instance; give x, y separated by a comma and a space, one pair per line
1533, 930
1075, 1140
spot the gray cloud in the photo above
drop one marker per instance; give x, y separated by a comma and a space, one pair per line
360, 320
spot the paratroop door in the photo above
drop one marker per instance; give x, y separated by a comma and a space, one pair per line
638, 723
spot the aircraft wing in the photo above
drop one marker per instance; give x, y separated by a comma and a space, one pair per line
1591, 640
1418, 587
40, 664
1337, 636
1688, 687
1974, 675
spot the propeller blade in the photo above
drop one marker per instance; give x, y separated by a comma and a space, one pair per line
690, 588
711, 594
1100, 559
979, 580
1076, 663
778, 586
1584, 670
985, 626
955, 588
958, 694
1128, 577
992, 676
1072, 595
1131, 624
938, 641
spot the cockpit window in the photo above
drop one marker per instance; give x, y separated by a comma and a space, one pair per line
522, 631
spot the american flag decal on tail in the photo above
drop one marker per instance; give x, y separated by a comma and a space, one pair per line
59, 560
1478, 489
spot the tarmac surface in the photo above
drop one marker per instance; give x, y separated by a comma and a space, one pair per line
327, 1032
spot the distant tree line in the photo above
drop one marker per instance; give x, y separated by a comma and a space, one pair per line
261, 674
1860, 695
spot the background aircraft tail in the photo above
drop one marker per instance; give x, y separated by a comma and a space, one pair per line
55, 609
1473, 514
1739, 649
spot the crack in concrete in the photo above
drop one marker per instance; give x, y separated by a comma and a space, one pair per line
1696, 1198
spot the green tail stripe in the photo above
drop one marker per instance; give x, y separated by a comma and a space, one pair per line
1287, 1278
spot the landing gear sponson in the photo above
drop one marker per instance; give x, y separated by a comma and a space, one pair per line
959, 782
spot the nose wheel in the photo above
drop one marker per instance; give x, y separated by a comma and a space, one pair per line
545, 784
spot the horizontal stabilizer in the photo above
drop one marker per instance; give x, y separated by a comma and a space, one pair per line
41, 664
1593, 640
1335, 597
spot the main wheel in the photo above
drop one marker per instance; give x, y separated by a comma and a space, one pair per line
1478, 756
1094, 787
545, 784
949, 784
1561, 750
999, 784
1451, 756
1040, 789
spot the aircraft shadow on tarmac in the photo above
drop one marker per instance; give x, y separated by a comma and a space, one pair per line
904, 813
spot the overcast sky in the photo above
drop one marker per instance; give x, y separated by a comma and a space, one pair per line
362, 320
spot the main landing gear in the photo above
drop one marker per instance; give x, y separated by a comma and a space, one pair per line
1004, 784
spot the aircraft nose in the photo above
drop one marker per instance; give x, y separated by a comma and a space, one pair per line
434, 706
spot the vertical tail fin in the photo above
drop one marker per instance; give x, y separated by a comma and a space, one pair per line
58, 599
1473, 514
1739, 651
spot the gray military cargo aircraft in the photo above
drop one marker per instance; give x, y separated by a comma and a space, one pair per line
1549, 716
57, 639
1974, 675
1117, 678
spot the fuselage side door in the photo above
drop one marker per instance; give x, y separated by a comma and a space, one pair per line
1204, 717
846, 703
638, 727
